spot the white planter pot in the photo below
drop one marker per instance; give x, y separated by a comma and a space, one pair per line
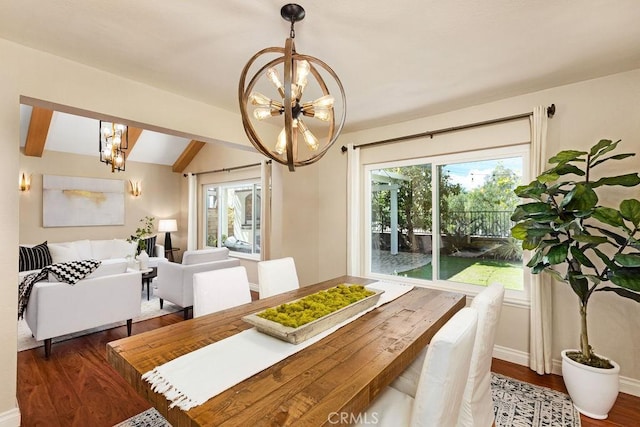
593, 390
143, 257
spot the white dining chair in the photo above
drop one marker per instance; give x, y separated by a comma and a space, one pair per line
217, 290
442, 381
476, 409
489, 305
277, 276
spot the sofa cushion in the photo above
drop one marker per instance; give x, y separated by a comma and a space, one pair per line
109, 267
121, 248
63, 252
83, 248
150, 245
34, 258
101, 249
204, 255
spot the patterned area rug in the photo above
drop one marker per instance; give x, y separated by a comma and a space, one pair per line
516, 404
149, 309
148, 418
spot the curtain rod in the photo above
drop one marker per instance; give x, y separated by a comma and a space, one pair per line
228, 169
551, 110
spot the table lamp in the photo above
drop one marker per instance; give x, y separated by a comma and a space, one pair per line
167, 226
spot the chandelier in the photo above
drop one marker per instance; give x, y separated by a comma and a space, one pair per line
302, 107
113, 138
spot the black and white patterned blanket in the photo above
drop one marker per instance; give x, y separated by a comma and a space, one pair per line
68, 272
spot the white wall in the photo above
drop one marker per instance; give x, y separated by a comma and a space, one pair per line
607, 107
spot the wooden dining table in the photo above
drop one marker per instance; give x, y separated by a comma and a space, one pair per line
328, 383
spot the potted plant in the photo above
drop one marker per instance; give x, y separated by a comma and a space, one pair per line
585, 245
145, 230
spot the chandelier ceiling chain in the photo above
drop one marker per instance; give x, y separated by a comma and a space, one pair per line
291, 110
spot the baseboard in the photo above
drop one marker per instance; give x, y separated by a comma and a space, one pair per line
627, 385
10, 418
510, 355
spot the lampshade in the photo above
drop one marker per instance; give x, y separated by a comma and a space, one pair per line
305, 108
167, 225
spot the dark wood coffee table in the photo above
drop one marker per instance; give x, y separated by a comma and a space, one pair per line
147, 276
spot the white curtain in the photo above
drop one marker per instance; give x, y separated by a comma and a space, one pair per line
192, 215
353, 211
540, 318
265, 219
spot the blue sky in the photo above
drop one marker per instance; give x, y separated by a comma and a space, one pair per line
472, 174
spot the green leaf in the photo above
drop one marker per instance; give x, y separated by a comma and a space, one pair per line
627, 260
564, 169
608, 216
532, 210
604, 150
520, 231
581, 257
555, 275
630, 210
531, 191
620, 240
628, 278
579, 284
567, 156
537, 258
531, 243
599, 146
537, 268
587, 238
607, 261
616, 157
558, 254
582, 199
622, 292
548, 177
628, 180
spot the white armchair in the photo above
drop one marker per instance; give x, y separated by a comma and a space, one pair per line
175, 281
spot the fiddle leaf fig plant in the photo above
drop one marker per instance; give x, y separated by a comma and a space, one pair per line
578, 241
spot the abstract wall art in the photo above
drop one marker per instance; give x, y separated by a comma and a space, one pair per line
77, 201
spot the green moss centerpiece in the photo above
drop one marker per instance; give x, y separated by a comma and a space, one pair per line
306, 317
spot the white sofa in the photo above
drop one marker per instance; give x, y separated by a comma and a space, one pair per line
175, 281
110, 294
101, 250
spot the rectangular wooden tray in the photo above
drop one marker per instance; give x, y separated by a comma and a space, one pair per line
311, 329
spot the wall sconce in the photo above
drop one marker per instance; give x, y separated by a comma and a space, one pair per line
136, 188
24, 182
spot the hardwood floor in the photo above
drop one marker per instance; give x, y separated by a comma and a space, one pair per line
77, 387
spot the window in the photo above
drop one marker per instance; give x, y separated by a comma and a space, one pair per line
464, 201
229, 216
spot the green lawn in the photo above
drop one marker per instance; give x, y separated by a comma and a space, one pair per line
474, 271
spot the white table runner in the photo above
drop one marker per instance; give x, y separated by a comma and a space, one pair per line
194, 378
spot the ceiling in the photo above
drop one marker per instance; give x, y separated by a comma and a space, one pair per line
397, 60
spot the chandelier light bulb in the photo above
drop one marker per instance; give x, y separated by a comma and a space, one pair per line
106, 152
309, 137
256, 98
119, 160
322, 114
272, 75
262, 113
117, 139
121, 128
106, 132
281, 142
323, 102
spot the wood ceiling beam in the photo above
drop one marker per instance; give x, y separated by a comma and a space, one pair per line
134, 134
187, 155
38, 131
